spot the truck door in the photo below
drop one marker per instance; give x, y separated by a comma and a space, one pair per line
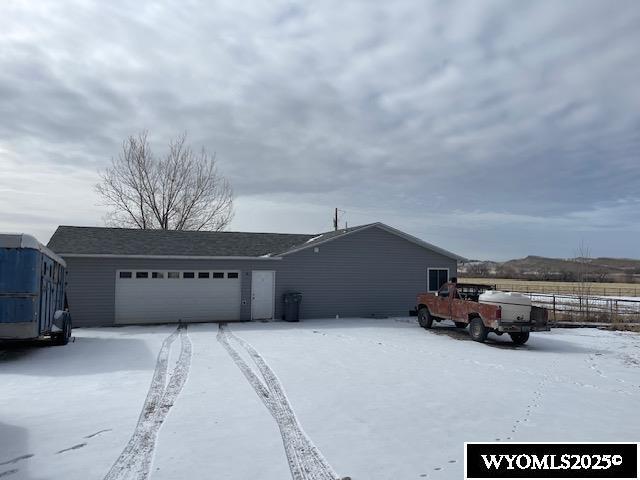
444, 301
458, 304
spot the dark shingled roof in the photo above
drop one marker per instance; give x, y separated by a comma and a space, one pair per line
125, 241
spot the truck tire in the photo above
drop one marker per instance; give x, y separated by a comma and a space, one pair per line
424, 318
477, 330
62, 338
519, 338
461, 324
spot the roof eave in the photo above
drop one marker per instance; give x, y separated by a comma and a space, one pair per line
159, 257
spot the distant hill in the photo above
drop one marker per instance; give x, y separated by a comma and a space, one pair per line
533, 267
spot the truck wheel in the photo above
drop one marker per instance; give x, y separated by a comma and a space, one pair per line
424, 318
477, 330
62, 338
519, 338
461, 324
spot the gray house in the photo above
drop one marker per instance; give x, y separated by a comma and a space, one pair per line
127, 276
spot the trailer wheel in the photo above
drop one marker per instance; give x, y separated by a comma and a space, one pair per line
461, 324
519, 338
424, 318
477, 330
62, 338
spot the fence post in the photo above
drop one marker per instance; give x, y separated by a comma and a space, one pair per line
554, 309
586, 304
611, 311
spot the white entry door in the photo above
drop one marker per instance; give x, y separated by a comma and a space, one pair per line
262, 294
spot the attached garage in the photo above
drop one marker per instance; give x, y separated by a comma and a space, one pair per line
127, 276
160, 296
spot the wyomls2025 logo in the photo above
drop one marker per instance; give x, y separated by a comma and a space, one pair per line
551, 460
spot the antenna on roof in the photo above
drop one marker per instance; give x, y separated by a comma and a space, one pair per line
335, 218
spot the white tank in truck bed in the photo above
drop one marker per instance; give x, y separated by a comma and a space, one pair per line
515, 306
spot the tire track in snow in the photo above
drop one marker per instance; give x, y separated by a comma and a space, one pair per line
17, 459
278, 393
136, 458
305, 460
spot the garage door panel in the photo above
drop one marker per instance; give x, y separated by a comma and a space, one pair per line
157, 300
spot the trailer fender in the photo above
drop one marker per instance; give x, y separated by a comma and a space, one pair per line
59, 318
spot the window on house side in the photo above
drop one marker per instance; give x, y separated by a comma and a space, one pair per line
436, 278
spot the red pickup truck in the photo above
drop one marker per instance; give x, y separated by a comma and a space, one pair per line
460, 302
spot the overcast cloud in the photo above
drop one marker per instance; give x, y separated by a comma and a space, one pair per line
494, 129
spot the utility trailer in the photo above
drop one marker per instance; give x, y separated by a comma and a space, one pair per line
32, 291
484, 309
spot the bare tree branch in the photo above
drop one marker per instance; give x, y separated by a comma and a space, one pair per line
181, 191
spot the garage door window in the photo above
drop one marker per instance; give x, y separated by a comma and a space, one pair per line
232, 275
436, 277
157, 274
173, 274
142, 274
203, 274
188, 275
125, 274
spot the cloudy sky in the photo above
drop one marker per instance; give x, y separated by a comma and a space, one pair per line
495, 129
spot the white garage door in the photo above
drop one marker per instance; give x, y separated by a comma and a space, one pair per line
156, 296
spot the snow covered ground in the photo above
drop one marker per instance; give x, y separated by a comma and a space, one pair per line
369, 399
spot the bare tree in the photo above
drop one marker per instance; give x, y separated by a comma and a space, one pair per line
181, 191
479, 269
583, 270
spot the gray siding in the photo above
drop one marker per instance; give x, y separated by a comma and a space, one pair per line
91, 286
360, 274
364, 273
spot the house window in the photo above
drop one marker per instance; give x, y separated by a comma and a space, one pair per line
173, 274
203, 274
157, 274
218, 274
188, 275
142, 274
125, 274
436, 277
232, 275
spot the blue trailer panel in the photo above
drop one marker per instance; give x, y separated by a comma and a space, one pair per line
32, 284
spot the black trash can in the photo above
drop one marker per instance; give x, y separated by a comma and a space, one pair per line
291, 306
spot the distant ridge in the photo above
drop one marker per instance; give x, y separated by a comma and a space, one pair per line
533, 267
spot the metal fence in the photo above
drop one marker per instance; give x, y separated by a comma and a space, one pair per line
588, 308
590, 289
